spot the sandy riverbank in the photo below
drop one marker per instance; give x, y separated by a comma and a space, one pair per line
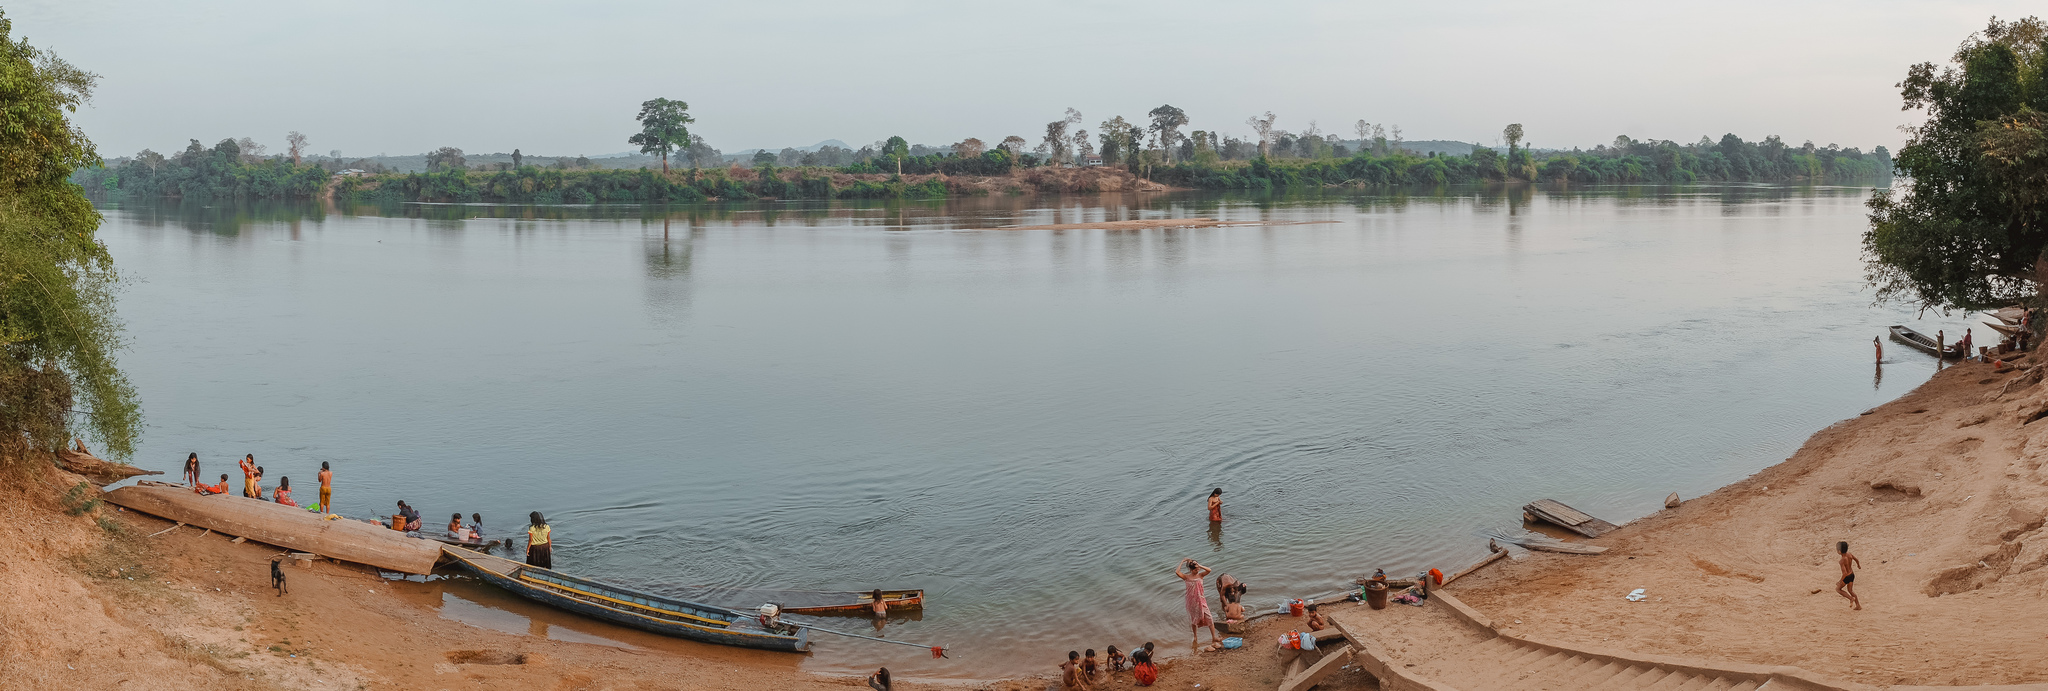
1940, 493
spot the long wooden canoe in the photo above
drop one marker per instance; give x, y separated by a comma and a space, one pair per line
666, 616
1926, 344
1556, 513
2007, 329
827, 602
285, 526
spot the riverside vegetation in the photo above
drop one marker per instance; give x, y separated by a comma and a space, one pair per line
894, 169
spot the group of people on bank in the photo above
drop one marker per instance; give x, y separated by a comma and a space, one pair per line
252, 483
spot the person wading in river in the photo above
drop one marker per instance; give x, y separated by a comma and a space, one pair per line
1216, 505
1197, 602
326, 489
539, 546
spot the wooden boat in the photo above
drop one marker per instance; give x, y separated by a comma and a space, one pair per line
2010, 315
1925, 344
2008, 329
666, 616
1556, 513
824, 602
285, 526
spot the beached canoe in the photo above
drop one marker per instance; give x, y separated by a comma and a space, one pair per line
285, 526
2008, 329
1926, 344
2009, 315
825, 602
644, 611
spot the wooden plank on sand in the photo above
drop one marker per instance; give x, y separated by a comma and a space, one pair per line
1554, 512
288, 527
1331, 662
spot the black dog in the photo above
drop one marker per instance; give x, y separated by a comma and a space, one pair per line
277, 577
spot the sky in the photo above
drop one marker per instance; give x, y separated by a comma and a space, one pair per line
370, 77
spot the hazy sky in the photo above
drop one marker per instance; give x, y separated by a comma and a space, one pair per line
378, 76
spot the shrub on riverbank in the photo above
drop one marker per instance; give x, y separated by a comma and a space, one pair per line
224, 171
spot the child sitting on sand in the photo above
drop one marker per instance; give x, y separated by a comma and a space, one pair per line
1089, 667
1070, 673
1316, 622
1233, 609
1115, 659
1142, 668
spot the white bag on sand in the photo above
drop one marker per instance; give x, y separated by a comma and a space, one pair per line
1637, 595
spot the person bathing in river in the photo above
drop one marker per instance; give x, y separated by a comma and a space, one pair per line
283, 495
1197, 601
879, 681
1233, 606
1225, 584
192, 469
326, 489
1216, 505
248, 465
539, 542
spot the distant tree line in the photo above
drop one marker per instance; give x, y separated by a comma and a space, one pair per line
536, 185
230, 169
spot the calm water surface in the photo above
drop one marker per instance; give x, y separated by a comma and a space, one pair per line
1024, 423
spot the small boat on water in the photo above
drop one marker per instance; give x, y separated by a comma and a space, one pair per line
644, 611
825, 602
1923, 342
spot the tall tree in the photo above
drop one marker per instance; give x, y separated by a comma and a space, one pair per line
58, 328
297, 144
1512, 133
664, 127
968, 148
1264, 127
1166, 122
516, 159
898, 149
1056, 138
1965, 230
446, 158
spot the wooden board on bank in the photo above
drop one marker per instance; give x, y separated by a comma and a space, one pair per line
284, 526
1556, 513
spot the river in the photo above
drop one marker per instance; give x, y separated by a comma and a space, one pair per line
1025, 423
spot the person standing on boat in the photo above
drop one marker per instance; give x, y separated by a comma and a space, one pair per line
539, 545
326, 489
192, 469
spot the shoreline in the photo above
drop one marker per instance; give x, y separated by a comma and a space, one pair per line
204, 617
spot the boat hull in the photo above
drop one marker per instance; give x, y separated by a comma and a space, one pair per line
284, 526
506, 574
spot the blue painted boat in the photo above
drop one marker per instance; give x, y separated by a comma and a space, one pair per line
662, 615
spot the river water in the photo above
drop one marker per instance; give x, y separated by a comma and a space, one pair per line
1023, 422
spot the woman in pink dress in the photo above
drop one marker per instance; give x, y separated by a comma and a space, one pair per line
1197, 601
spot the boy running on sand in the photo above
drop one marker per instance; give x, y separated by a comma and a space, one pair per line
1847, 586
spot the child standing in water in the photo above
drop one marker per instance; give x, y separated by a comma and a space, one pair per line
1216, 505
